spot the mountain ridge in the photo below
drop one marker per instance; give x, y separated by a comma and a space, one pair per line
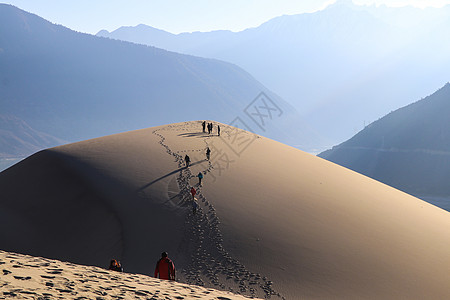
76, 86
407, 149
332, 58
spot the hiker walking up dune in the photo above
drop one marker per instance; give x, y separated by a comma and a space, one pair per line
200, 177
187, 159
208, 153
165, 268
218, 130
194, 207
193, 192
204, 125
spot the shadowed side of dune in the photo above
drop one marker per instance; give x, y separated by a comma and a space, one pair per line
53, 211
67, 206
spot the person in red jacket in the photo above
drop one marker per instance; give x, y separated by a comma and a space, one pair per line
193, 192
165, 268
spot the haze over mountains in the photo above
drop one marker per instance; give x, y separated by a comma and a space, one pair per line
18, 139
342, 67
408, 149
73, 86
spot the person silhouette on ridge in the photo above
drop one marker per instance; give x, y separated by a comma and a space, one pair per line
187, 159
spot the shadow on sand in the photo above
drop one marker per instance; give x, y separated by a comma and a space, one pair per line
194, 134
167, 175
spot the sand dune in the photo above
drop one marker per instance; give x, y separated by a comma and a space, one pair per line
273, 220
28, 277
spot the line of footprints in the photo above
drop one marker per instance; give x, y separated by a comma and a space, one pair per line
209, 261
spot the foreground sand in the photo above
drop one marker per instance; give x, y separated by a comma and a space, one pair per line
273, 221
28, 277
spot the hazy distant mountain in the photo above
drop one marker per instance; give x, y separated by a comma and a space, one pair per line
76, 86
340, 67
408, 149
18, 139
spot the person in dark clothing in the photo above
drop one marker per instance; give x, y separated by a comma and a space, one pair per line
218, 130
210, 128
187, 159
208, 153
194, 207
200, 177
165, 268
115, 265
204, 125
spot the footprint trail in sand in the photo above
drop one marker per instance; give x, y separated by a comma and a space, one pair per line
209, 264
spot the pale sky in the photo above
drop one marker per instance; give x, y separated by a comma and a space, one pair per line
177, 16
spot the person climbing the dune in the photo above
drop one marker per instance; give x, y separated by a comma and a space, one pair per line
194, 207
165, 268
208, 153
187, 159
193, 192
200, 177
218, 130
115, 265
204, 125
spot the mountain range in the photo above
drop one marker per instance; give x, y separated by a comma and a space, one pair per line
18, 139
74, 86
342, 67
408, 149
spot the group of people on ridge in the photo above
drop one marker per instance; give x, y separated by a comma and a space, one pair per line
210, 127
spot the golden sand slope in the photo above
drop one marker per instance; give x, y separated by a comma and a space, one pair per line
28, 277
273, 220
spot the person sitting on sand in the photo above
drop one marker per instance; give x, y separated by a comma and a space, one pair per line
115, 265
187, 159
165, 268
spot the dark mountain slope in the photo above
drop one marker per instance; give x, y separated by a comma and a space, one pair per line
408, 149
76, 86
18, 139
